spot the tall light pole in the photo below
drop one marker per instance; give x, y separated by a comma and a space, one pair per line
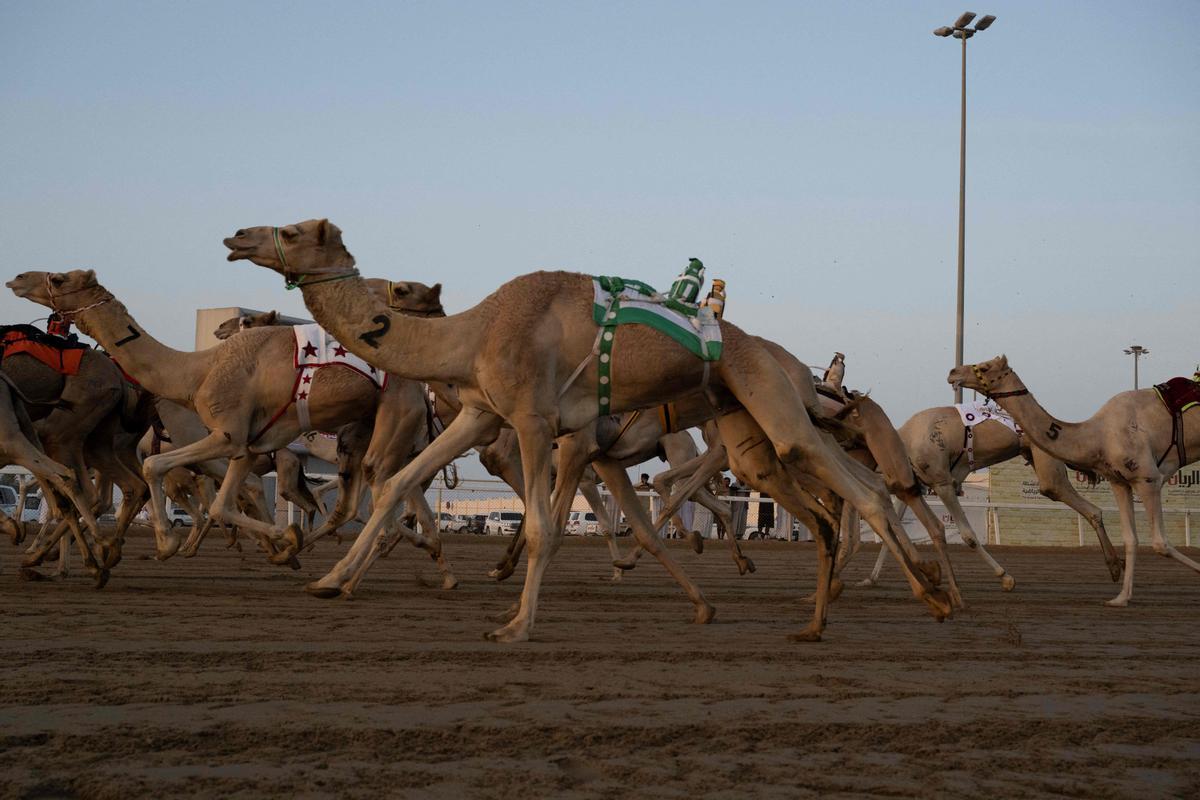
1137, 351
959, 30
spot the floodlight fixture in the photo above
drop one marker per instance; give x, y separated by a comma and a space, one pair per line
985, 23
943, 31
964, 20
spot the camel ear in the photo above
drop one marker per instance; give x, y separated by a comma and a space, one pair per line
57, 278
272, 317
435, 293
1003, 361
89, 277
328, 233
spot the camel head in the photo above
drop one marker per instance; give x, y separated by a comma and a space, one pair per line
239, 323
61, 291
985, 377
310, 248
409, 297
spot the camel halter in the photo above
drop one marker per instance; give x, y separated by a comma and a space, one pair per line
70, 314
289, 282
987, 387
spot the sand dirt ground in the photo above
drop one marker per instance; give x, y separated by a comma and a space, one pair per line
218, 676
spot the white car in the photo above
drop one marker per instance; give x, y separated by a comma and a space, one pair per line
581, 523
502, 522
179, 517
451, 523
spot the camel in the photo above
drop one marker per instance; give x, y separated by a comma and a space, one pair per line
935, 440
373, 447
242, 389
1133, 441
510, 356
65, 411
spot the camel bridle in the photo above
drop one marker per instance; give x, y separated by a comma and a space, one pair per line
70, 314
293, 280
987, 387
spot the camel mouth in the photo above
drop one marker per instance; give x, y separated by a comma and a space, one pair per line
16, 288
236, 251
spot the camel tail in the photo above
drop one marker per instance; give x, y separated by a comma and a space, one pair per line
851, 404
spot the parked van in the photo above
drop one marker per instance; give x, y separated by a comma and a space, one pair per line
581, 523
500, 522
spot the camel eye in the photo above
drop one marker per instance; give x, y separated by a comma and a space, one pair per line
239, 234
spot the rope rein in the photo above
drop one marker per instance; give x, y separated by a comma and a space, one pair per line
290, 282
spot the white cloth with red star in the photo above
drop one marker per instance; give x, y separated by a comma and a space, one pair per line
316, 348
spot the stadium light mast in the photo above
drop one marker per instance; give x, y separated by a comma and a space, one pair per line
959, 30
1137, 351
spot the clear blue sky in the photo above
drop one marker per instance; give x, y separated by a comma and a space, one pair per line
808, 152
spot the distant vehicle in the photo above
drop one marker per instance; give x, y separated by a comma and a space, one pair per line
582, 523
475, 523
179, 517
502, 522
451, 523
8, 500
33, 505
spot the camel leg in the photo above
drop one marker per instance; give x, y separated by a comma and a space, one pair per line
949, 498
542, 535
607, 525
617, 480
417, 503
469, 427
573, 454
1151, 495
937, 535
702, 469
851, 536
225, 509
1124, 497
1054, 484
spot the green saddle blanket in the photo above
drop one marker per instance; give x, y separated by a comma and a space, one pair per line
622, 301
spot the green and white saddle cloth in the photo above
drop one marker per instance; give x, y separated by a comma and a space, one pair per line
623, 301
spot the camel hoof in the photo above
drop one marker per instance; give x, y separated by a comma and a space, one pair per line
294, 563
34, 560
939, 604
503, 573
1115, 568
625, 564
704, 614
111, 553
1117, 602
27, 574
294, 537
865, 583
697, 542
449, 582
615, 577
323, 592
750, 565
101, 579
806, 635
281, 557
172, 547
835, 589
507, 635
1008, 583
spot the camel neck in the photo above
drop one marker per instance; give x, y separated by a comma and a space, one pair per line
419, 348
1066, 441
162, 370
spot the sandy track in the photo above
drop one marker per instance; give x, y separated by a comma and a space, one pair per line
218, 676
